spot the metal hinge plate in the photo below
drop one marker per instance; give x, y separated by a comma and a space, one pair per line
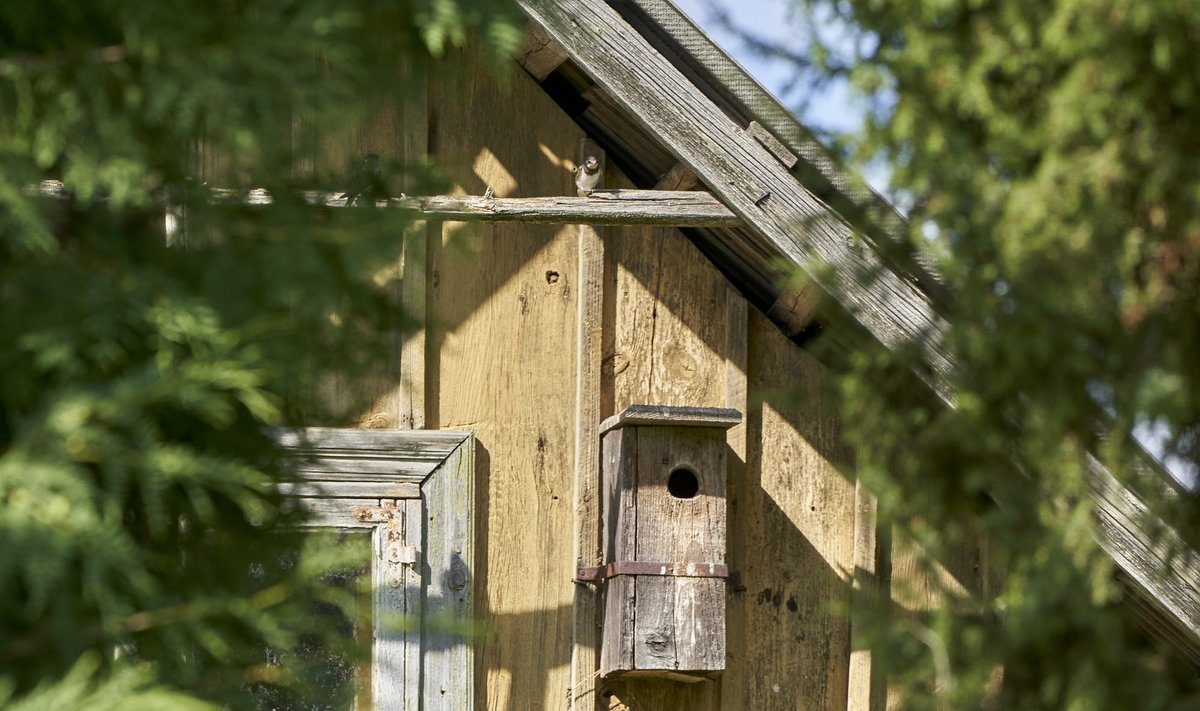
394, 550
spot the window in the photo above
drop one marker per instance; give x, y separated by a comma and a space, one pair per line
414, 491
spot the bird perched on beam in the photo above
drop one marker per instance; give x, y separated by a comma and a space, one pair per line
587, 175
367, 182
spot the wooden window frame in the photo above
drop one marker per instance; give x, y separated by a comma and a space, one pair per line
421, 656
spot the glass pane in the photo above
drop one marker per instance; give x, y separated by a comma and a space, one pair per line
329, 668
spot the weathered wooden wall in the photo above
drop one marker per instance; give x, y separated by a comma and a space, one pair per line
500, 340
499, 327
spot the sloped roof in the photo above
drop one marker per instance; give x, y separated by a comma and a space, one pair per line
659, 96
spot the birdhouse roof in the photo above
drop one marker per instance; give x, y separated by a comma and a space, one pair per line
673, 110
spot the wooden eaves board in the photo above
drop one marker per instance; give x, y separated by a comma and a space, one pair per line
752, 182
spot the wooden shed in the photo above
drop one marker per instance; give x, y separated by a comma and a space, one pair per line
542, 313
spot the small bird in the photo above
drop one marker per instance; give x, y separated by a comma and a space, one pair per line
367, 182
587, 175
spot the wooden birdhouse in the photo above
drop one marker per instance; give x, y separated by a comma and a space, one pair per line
664, 570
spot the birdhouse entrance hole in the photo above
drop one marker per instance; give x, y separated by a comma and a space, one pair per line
683, 484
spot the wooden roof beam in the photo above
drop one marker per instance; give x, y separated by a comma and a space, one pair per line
679, 177
539, 54
740, 170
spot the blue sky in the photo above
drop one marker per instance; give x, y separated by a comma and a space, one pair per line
832, 109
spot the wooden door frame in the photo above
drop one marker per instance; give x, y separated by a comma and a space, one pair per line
346, 478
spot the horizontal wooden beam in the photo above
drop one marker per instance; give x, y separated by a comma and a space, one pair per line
667, 208
602, 207
540, 55
664, 208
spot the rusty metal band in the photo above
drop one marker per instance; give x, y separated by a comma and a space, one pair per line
597, 573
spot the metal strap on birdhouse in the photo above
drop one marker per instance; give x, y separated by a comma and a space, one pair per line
393, 548
599, 573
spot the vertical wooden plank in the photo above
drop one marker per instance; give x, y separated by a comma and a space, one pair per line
737, 315
431, 334
589, 324
792, 538
447, 674
620, 543
502, 335
919, 582
396, 673
411, 397
398, 384
865, 692
665, 344
395, 128
414, 591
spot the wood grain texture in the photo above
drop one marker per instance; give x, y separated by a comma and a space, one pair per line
620, 534
501, 338
395, 653
679, 177
414, 590
604, 206
1171, 590
394, 128
919, 582
791, 535
680, 621
539, 55
737, 397
781, 152
410, 399
635, 692
677, 623
340, 470
666, 346
866, 690
423, 609
688, 208
447, 528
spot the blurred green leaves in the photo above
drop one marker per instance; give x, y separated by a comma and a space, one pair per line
1050, 154
147, 559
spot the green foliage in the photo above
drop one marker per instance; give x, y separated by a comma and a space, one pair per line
1050, 154
79, 689
146, 558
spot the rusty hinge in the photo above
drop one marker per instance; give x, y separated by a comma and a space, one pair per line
599, 573
393, 549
